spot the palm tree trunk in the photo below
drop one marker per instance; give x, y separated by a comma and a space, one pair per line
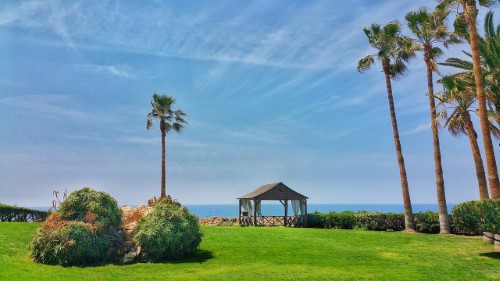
471, 16
163, 156
409, 222
478, 160
444, 220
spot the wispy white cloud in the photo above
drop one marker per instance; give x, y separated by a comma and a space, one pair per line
418, 129
60, 105
301, 36
117, 70
253, 135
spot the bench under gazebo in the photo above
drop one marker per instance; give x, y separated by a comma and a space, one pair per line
250, 206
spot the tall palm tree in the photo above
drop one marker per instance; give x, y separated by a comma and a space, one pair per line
161, 108
430, 28
459, 96
489, 50
469, 17
393, 51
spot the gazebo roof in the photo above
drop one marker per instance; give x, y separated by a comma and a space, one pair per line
274, 191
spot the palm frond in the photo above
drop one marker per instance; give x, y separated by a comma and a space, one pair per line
392, 29
149, 123
436, 52
460, 26
457, 63
365, 63
398, 69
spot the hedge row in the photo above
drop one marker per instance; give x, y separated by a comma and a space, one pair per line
356, 220
468, 218
18, 214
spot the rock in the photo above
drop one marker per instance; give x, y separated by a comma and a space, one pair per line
143, 210
129, 251
127, 212
129, 257
213, 221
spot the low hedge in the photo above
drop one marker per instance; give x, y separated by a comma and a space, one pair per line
18, 214
356, 220
427, 222
468, 218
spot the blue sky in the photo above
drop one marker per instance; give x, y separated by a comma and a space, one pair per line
270, 87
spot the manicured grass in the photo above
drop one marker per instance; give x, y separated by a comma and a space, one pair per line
235, 253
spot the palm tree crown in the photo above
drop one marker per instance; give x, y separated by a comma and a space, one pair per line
394, 50
161, 108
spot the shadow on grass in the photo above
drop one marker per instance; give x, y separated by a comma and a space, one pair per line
200, 256
493, 255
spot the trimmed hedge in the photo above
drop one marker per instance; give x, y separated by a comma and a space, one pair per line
356, 220
468, 218
18, 214
427, 222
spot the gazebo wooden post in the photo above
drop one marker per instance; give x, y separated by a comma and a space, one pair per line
255, 212
239, 210
286, 212
305, 215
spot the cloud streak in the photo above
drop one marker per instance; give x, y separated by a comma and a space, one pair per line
57, 105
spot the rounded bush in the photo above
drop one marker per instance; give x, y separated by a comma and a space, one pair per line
427, 222
80, 232
73, 244
169, 232
95, 207
474, 217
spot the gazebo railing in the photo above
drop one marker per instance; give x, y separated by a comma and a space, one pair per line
272, 221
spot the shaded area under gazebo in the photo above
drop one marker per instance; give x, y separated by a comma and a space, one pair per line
250, 206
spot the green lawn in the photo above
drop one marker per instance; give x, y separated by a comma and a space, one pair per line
234, 253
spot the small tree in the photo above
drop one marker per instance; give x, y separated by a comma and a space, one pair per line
161, 108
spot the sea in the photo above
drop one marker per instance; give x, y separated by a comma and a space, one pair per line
231, 210
272, 209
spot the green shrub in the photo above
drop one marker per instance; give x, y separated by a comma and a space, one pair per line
314, 220
490, 210
169, 232
18, 214
379, 221
73, 244
80, 232
95, 207
474, 217
427, 222
343, 220
466, 218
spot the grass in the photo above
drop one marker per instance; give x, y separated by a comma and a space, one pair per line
235, 253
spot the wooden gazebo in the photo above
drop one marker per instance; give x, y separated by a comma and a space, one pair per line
250, 206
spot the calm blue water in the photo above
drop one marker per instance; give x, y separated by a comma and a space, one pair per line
231, 210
